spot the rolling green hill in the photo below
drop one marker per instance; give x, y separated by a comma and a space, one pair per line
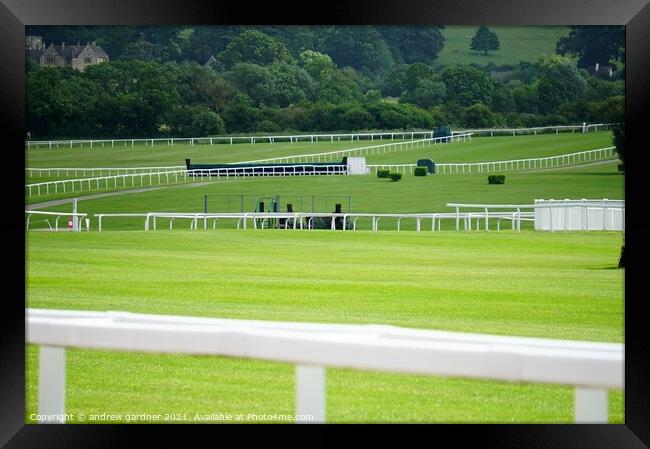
516, 44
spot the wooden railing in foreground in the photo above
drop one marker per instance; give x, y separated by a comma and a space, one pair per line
592, 368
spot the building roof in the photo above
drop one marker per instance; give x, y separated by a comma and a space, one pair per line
68, 52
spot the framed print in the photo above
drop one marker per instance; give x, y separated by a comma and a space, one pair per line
442, 184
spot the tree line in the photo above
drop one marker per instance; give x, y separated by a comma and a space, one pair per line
296, 79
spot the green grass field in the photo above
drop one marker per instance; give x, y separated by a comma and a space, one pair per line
164, 155
479, 149
535, 284
551, 285
368, 194
516, 44
482, 149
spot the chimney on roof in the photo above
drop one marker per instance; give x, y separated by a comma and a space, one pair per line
597, 66
62, 46
92, 43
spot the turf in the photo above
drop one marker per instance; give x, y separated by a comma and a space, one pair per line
561, 285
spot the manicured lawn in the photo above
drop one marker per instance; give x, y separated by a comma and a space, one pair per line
561, 285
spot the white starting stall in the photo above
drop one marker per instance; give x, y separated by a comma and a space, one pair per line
357, 166
580, 215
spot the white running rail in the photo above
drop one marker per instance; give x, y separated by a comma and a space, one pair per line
540, 129
129, 181
540, 163
220, 140
591, 368
215, 140
58, 215
97, 171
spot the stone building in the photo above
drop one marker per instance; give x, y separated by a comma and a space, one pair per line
76, 56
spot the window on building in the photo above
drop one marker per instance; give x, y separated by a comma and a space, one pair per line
87, 60
50, 60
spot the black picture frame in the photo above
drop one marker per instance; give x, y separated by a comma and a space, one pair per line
634, 14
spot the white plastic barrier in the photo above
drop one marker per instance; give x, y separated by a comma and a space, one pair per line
579, 215
592, 368
58, 215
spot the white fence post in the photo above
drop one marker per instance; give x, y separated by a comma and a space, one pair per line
310, 393
591, 405
51, 384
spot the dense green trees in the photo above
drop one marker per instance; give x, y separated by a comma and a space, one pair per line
559, 82
594, 44
253, 47
293, 79
467, 85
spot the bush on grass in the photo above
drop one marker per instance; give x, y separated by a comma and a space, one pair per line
496, 179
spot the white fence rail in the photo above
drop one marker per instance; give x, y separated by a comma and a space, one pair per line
220, 140
305, 220
592, 368
73, 216
115, 182
215, 140
560, 160
583, 215
540, 129
129, 181
98, 171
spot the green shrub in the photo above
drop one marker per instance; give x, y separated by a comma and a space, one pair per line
621, 167
496, 179
420, 171
383, 173
395, 176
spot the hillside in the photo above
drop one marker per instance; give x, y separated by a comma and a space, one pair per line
516, 44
